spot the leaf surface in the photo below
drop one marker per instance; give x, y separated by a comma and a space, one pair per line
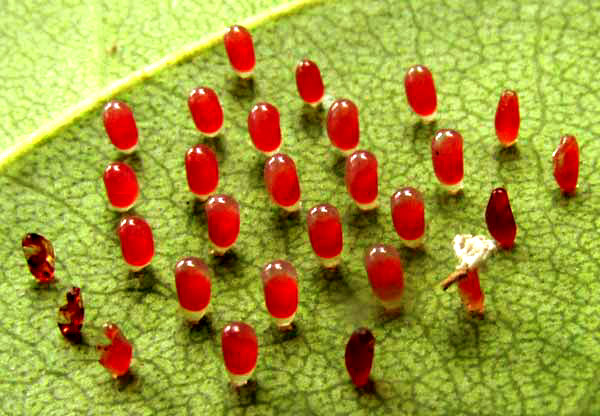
536, 352
60, 53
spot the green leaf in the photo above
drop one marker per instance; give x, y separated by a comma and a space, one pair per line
534, 353
65, 54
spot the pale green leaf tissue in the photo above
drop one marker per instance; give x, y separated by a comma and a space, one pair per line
537, 350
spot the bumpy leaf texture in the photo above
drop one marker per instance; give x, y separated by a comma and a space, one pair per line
58, 53
536, 351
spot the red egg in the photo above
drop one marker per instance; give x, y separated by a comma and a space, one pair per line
206, 110
121, 186
361, 179
500, 220
360, 351
408, 216
447, 157
343, 125
240, 50
420, 92
120, 126
192, 281
309, 83
137, 242
240, 351
116, 357
566, 164
281, 292
508, 118
384, 269
282, 183
471, 293
223, 219
202, 171
264, 128
325, 233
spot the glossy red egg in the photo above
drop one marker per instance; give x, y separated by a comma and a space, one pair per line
281, 291
137, 242
360, 351
447, 157
500, 220
281, 179
566, 164
206, 110
408, 215
325, 233
361, 179
120, 126
386, 276
202, 171
420, 92
508, 118
240, 50
121, 184
264, 128
239, 346
343, 125
192, 281
223, 219
309, 82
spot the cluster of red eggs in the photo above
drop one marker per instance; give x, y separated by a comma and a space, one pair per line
382, 262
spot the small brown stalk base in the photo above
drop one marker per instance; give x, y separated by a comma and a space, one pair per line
286, 328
